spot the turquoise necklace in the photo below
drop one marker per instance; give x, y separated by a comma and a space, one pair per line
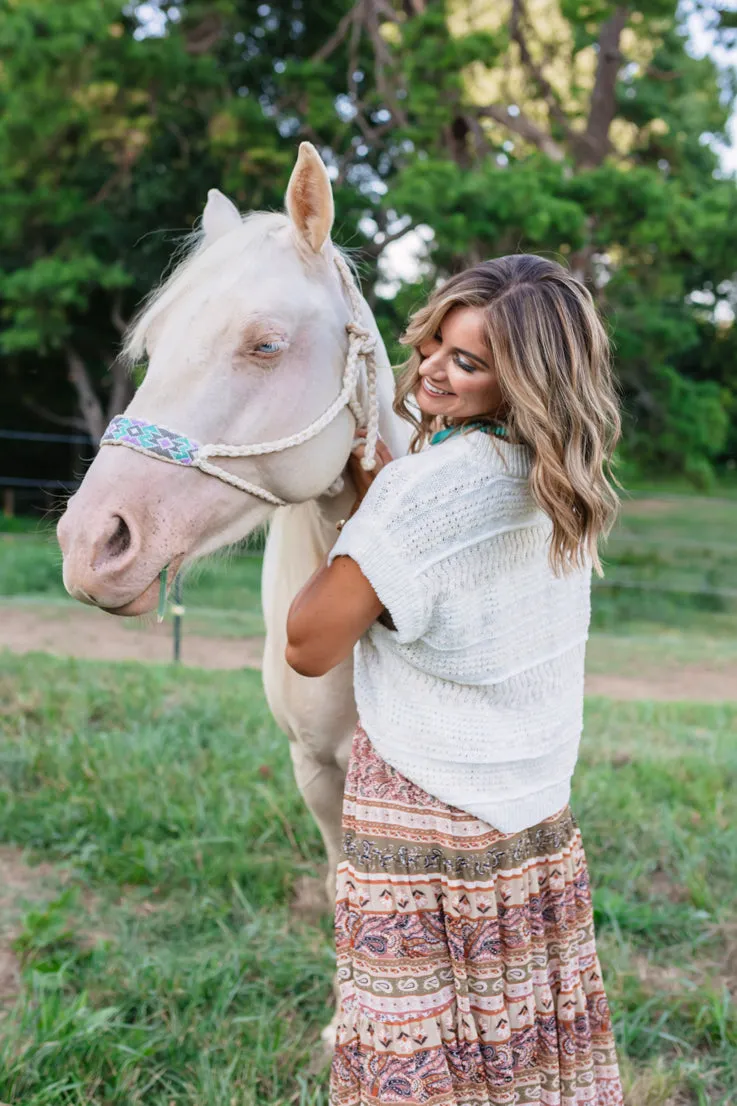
497, 430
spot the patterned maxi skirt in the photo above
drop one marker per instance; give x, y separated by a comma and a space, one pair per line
467, 968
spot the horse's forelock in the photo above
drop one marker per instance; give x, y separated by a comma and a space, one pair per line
194, 261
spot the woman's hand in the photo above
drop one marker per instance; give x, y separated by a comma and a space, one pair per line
362, 480
337, 604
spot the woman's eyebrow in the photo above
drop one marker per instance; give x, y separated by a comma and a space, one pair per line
473, 356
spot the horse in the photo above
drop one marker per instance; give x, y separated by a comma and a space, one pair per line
259, 336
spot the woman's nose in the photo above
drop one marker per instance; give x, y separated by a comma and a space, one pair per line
432, 365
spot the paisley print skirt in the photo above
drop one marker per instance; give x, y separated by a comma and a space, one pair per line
467, 967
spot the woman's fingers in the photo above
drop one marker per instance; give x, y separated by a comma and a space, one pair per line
362, 478
381, 447
383, 451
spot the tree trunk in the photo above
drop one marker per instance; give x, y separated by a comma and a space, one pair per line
122, 390
593, 146
89, 405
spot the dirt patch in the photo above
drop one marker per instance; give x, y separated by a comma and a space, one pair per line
647, 506
670, 979
679, 683
22, 886
713, 969
653, 1084
9, 976
309, 897
660, 885
76, 631
725, 936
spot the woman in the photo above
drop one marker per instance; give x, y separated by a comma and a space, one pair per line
467, 966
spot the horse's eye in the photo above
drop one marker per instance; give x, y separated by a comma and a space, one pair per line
272, 347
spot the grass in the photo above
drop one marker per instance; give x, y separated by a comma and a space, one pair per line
648, 651
163, 965
222, 594
669, 565
170, 969
172, 789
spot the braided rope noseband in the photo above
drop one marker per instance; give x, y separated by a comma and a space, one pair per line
177, 449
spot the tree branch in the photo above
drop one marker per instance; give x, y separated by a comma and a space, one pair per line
364, 17
550, 96
332, 44
524, 127
593, 146
116, 317
203, 37
375, 249
664, 74
122, 389
382, 61
483, 146
581, 264
50, 416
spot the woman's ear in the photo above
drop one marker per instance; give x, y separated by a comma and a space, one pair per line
309, 198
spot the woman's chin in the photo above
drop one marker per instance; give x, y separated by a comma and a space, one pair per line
431, 405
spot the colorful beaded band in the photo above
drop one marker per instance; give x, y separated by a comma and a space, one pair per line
154, 440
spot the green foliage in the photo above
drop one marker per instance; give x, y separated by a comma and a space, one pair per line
110, 136
40, 301
47, 940
649, 226
480, 208
109, 141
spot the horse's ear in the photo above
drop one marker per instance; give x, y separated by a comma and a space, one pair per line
310, 197
219, 217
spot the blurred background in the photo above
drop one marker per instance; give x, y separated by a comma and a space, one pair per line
158, 941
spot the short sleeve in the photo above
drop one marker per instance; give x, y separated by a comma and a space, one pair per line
373, 539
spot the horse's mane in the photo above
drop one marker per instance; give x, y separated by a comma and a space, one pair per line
198, 261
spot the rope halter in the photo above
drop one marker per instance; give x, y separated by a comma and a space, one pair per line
178, 449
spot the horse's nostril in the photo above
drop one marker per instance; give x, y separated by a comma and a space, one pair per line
120, 541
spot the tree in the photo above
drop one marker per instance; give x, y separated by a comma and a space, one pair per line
111, 133
577, 130
581, 130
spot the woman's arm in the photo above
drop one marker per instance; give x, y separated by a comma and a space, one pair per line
337, 604
331, 612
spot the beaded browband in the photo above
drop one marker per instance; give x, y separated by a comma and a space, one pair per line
177, 449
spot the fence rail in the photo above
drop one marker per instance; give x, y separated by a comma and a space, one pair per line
8, 484
33, 482
42, 436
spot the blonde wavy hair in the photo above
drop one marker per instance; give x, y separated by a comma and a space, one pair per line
550, 352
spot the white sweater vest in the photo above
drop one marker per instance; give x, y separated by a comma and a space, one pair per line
477, 696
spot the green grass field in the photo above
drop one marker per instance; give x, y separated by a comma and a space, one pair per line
167, 966
161, 959
30, 567
670, 563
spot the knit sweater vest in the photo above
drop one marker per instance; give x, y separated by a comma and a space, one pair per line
477, 695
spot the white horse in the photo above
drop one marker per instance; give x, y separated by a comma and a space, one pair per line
247, 342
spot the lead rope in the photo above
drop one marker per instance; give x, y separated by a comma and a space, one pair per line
365, 346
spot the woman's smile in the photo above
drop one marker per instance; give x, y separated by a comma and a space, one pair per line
433, 389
